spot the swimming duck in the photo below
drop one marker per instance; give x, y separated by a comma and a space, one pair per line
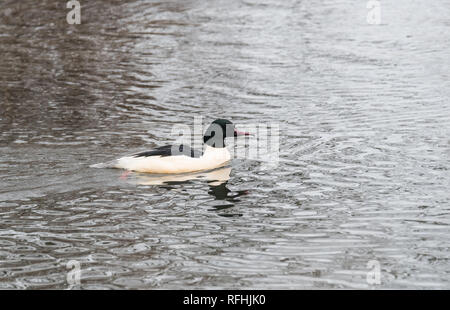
181, 158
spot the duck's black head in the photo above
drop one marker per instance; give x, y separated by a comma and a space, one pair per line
220, 129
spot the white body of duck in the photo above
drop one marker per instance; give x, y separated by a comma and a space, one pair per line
212, 158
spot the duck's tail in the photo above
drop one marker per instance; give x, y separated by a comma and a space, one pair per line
109, 164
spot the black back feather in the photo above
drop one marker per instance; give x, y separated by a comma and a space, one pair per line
171, 150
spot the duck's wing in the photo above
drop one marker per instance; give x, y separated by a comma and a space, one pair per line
171, 150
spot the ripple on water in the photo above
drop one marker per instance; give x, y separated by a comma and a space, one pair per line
363, 167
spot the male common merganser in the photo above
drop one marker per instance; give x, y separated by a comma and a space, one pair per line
181, 158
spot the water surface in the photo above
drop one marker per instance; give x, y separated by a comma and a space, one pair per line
364, 161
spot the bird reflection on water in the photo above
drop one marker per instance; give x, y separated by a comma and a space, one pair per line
216, 179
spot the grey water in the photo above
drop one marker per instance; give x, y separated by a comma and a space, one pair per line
363, 173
